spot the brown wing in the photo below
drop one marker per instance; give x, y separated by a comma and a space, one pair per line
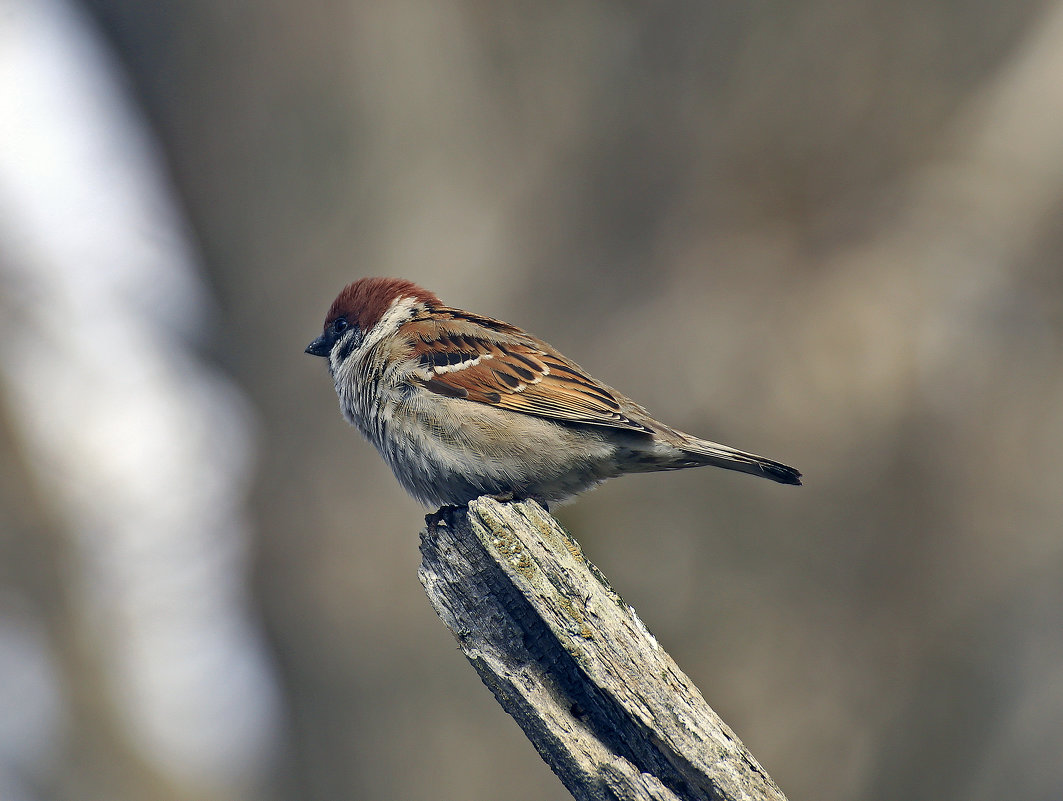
504, 367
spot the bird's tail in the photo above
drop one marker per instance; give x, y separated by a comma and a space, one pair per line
703, 452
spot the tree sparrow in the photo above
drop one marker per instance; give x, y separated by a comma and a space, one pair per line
462, 405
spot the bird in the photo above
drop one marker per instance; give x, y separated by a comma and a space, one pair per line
461, 405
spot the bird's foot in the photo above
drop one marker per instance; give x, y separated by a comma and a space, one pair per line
433, 520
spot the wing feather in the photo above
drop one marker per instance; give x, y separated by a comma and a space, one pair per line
463, 355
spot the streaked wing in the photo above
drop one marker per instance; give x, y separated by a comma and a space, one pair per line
503, 367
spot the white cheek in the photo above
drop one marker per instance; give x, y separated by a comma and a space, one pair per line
398, 313
366, 378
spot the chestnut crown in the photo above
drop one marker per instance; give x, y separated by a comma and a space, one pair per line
361, 305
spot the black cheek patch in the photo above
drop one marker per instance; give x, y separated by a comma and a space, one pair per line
347, 346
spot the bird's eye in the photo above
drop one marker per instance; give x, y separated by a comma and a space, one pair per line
340, 325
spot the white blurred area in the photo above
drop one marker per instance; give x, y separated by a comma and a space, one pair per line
142, 447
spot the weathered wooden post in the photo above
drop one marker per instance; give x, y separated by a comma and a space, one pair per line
601, 701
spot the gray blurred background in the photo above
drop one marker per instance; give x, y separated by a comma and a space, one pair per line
829, 233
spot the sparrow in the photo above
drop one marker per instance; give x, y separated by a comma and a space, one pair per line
461, 405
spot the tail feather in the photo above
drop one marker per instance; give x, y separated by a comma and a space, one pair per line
710, 453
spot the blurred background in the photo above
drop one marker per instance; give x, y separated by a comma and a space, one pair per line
828, 233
